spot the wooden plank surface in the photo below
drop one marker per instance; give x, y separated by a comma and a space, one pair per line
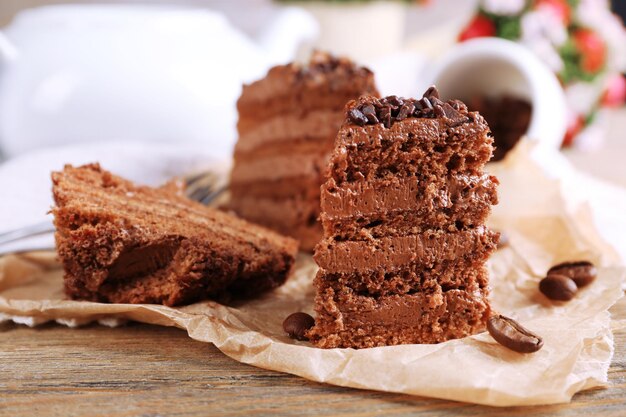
142, 370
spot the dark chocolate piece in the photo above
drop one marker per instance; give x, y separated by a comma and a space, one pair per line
322, 63
357, 117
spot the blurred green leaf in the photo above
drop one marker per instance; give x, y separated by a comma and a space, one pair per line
572, 69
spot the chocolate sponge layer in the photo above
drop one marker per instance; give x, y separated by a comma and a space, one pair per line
426, 248
402, 206
348, 320
466, 273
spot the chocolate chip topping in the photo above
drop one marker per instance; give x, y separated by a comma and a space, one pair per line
432, 92
322, 63
369, 110
357, 117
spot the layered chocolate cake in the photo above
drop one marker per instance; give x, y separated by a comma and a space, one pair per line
403, 211
287, 125
123, 243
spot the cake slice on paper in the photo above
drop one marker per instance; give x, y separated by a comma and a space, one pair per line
123, 243
403, 210
287, 126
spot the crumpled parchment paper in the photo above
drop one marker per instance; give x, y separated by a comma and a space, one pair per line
545, 225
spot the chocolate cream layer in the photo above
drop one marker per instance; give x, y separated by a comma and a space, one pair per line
276, 107
326, 82
389, 252
316, 124
397, 206
404, 223
279, 166
275, 93
305, 187
350, 320
273, 211
286, 216
297, 146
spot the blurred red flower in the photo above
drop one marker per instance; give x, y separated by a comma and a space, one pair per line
479, 26
615, 94
592, 49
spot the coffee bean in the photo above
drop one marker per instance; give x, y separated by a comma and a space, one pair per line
582, 272
512, 335
297, 324
558, 287
357, 117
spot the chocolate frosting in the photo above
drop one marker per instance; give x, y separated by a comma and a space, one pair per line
361, 198
322, 63
391, 252
404, 310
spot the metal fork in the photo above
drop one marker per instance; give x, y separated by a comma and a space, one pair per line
204, 187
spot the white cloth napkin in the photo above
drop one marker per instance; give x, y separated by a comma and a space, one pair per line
25, 181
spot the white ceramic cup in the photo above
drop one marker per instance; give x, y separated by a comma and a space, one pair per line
494, 67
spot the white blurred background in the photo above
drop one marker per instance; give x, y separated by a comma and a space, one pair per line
170, 71
129, 73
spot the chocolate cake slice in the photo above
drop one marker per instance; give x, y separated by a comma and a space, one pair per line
403, 211
287, 125
124, 243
